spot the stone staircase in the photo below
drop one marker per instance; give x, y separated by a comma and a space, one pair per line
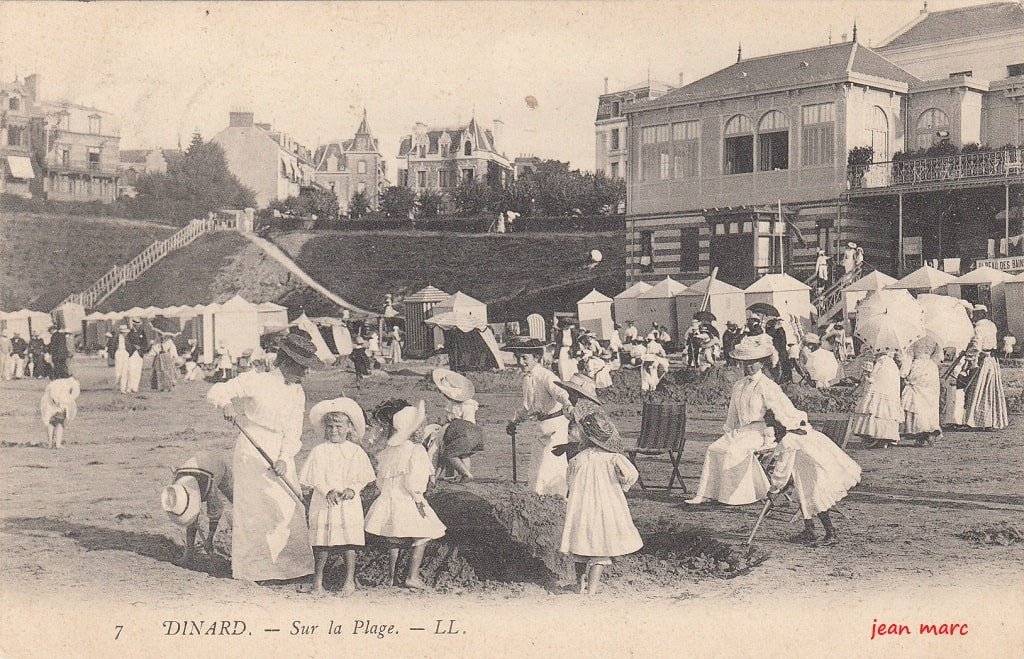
117, 276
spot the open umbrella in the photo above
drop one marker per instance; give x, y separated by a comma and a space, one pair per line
895, 301
705, 317
764, 309
946, 321
890, 330
711, 330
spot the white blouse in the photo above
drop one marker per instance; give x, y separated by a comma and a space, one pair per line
271, 403
753, 396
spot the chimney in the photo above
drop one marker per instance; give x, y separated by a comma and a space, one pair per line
32, 84
924, 10
265, 127
498, 132
682, 79
419, 128
240, 119
606, 84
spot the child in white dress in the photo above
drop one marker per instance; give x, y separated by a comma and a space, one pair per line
400, 514
58, 407
598, 524
337, 470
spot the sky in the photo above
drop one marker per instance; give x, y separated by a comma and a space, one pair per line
310, 69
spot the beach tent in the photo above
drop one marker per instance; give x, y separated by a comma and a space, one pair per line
271, 316
925, 279
25, 321
658, 305
789, 295
725, 301
70, 316
595, 313
1013, 297
983, 285
462, 304
858, 290
233, 324
470, 344
419, 339
625, 305
336, 335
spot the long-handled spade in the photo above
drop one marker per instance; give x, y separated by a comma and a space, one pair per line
270, 463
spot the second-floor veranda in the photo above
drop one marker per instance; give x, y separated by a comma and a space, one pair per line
954, 172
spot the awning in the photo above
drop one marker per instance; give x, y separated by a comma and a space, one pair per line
21, 167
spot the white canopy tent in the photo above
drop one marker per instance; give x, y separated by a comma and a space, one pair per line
25, 321
625, 305
788, 294
725, 301
985, 286
470, 344
925, 279
595, 313
658, 305
858, 290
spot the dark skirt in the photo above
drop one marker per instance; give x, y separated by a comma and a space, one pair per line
462, 439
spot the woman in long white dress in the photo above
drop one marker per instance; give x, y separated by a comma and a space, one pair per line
921, 396
879, 413
731, 473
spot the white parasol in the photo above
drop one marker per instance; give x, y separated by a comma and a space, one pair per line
946, 321
895, 330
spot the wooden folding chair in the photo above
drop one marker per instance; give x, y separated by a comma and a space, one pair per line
662, 431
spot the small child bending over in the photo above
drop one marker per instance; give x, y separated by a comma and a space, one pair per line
400, 514
337, 470
58, 407
598, 524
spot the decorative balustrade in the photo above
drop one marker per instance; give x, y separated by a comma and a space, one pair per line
147, 258
913, 172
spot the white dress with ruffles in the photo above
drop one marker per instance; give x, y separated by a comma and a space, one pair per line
336, 466
597, 518
921, 397
879, 413
731, 473
403, 471
822, 472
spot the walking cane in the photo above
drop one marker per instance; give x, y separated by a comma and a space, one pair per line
512, 433
270, 463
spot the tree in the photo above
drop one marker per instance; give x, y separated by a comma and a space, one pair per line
474, 198
397, 201
192, 187
324, 205
429, 202
358, 205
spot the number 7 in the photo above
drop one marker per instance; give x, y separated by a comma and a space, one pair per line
119, 629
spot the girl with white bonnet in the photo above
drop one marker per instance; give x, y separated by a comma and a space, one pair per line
58, 407
337, 470
460, 438
400, 514
879, 413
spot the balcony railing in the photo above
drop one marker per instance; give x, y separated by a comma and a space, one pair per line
90, 166
980, 167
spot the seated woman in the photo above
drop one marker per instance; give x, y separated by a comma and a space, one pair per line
731, 473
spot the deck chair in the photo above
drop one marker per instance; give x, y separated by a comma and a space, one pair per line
836, 430
662, 431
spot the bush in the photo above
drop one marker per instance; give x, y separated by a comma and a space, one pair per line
860, 155
358, 205
429, 203
397, 202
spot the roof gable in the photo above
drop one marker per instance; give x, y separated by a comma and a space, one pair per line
772, 283
961, 23
924, 277
634, 291
718, 287
874, 280
667, 287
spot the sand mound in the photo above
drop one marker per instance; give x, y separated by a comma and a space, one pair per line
1001, 533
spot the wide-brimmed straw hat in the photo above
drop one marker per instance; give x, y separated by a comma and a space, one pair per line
811, 337
345, 406
406, 421
748, 350
181, 501
582, 385
528, 346
299, 347
454, 386
599, 430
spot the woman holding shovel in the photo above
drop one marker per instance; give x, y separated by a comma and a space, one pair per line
269, 532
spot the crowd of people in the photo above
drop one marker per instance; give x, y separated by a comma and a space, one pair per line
36, 358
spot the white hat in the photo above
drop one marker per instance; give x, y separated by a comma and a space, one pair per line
980, 307
811, 337
345, 406
406, 421
750, 349
181, 500
851, 244
453, 385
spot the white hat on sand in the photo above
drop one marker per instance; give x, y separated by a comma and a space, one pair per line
181, 501
406, 421
345, 406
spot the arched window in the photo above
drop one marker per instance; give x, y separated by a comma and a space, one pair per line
773, 142
468, 150
930, 124
878, 134
739, 145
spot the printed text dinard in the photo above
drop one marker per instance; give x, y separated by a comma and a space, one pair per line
362, 627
